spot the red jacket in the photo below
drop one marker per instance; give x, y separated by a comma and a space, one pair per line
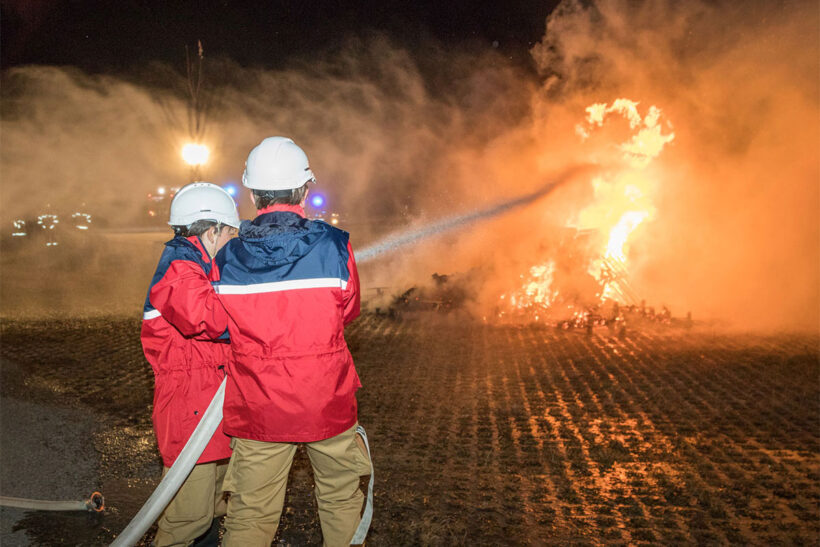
289, 286
181, 316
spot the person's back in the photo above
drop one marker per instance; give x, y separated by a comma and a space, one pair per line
289, 286
176, 356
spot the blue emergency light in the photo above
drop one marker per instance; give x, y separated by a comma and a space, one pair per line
317, 200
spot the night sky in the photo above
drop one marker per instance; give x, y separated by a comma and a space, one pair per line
106, 36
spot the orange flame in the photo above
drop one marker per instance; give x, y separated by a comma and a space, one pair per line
621, 202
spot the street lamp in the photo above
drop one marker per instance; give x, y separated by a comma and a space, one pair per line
195, 155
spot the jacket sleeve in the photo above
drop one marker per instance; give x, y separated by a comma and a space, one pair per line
185, 298
351, 296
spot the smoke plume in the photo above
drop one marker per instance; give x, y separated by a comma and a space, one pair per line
399, 139
735, 235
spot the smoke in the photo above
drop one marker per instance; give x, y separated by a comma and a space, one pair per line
732, 233
735, 235
401, 139
378, 132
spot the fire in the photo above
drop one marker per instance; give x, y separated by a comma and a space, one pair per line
620, 232
536, 291
645, 145
622, 201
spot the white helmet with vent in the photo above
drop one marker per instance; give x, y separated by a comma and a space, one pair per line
276, 163
203, 201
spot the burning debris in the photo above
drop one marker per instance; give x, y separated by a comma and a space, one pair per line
569, 307
443, 293
616, 318
589, 270
447, 293
584, 278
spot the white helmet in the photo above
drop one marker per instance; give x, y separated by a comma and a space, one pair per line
203, 201
276, 164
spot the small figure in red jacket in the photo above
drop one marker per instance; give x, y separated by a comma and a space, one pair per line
182, 324
289, 286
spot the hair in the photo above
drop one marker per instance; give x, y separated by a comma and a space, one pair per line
197, 228
266, 198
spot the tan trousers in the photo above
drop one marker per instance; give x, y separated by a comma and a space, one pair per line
258, 474
198, 502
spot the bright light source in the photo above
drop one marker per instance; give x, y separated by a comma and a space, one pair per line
317, 200
161, 190
195, 154
231, 189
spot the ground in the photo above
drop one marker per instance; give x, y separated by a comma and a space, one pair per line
481, 434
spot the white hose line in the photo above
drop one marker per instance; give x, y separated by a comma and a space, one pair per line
94, 503
367, 515
172, 481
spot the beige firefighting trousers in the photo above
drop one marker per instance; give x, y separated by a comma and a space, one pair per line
257, 476
196, 504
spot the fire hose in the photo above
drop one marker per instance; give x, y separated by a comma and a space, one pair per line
95, 503
367, 515
172, 481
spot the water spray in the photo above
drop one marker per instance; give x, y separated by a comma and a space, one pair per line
395, 241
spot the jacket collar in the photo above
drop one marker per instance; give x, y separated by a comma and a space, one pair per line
197, 243
298, 209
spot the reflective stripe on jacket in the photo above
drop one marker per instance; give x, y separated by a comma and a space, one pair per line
182, 315
289, 286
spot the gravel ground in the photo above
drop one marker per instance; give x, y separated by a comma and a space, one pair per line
482, 434
47, 453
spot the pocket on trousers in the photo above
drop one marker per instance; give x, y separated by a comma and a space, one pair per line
360, 456
227, 480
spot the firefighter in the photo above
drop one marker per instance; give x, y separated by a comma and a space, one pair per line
182, 324
290, 286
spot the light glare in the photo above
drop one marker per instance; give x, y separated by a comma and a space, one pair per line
195, 154
317, 200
